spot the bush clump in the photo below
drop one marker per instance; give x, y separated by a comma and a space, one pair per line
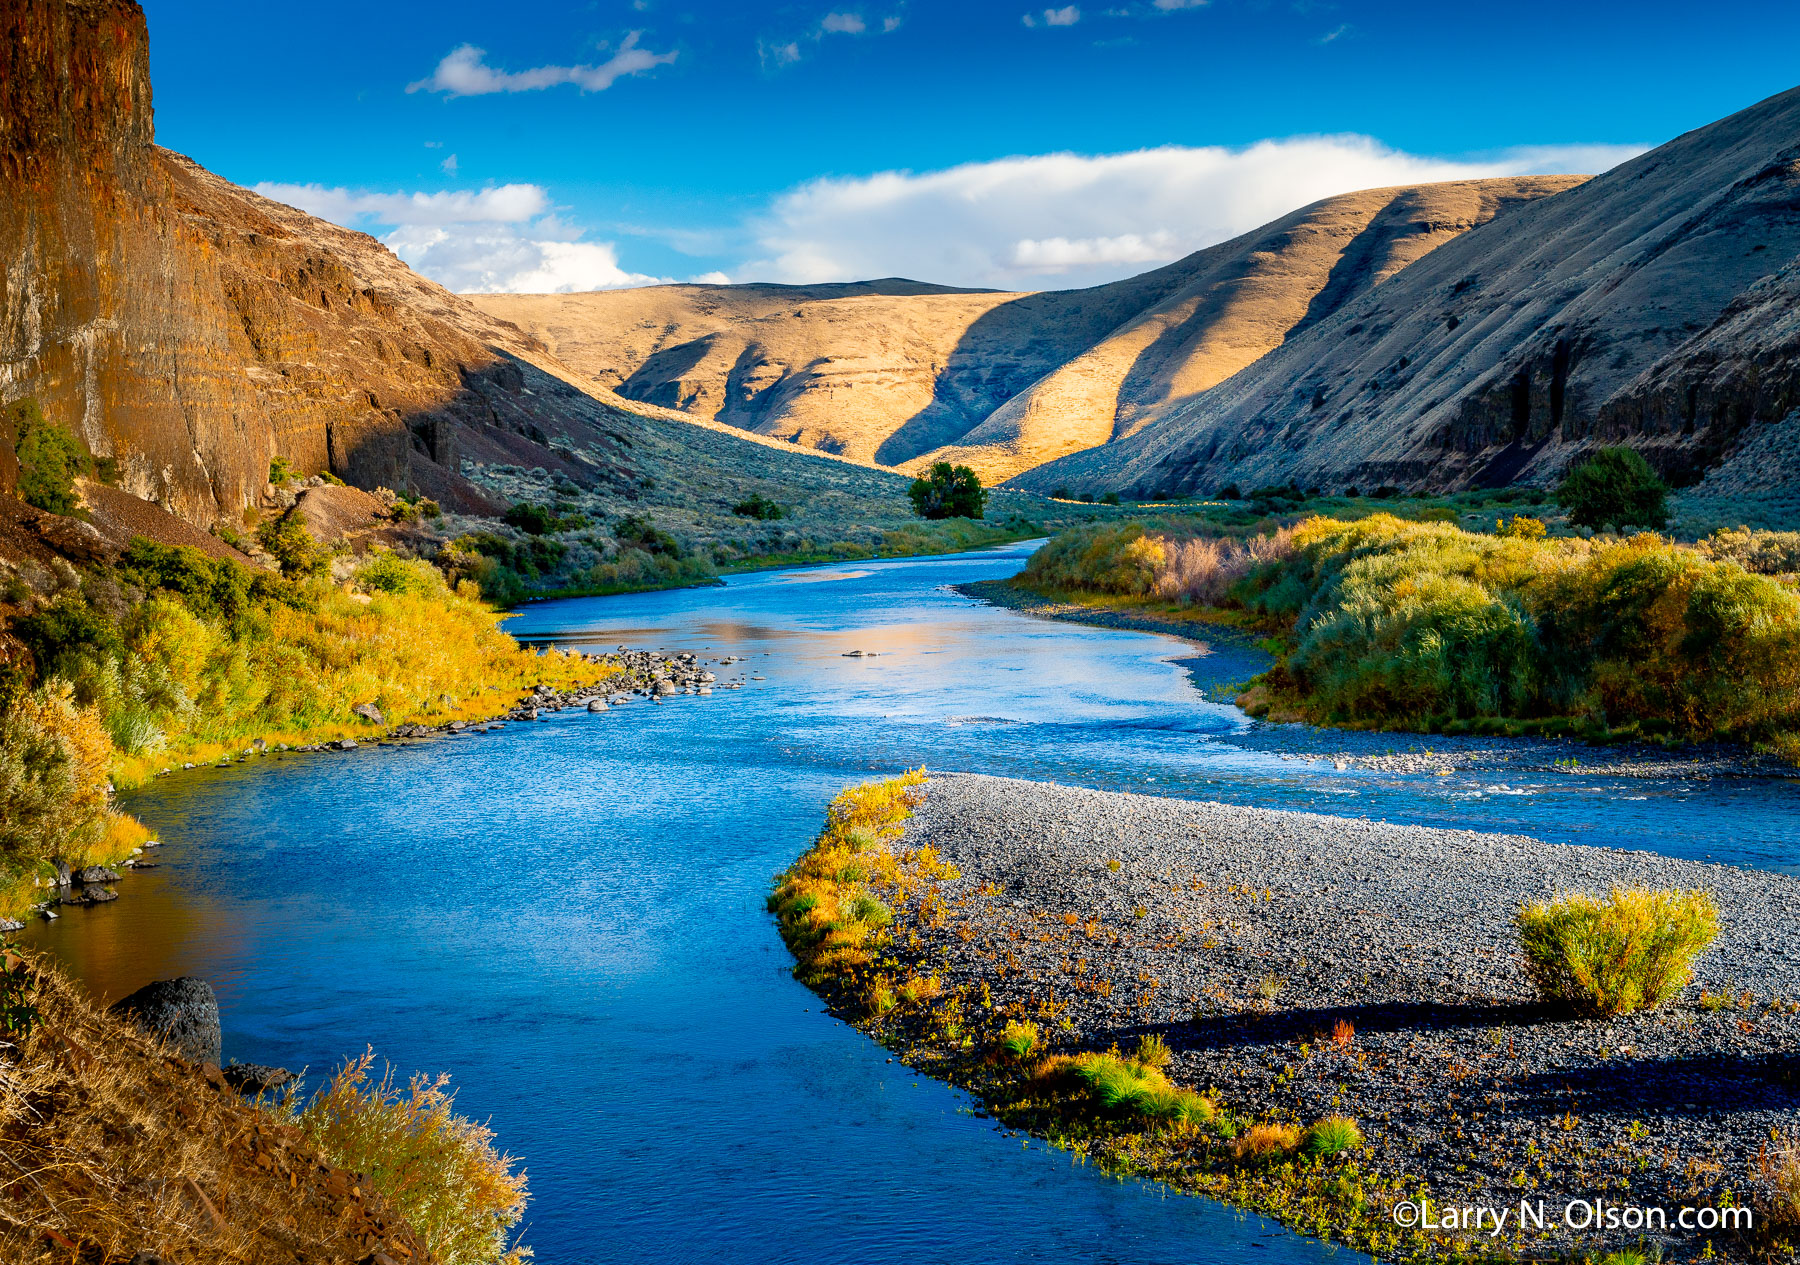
1407, 624
1632, 951
759, 507
49, 459
1614, 488
543, 520
438, 1168
948, 492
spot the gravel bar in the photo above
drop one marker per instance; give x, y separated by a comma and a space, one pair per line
1243, 936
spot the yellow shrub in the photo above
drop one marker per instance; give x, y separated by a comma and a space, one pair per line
1632, 951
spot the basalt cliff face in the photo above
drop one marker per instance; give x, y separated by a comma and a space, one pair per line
1651, 306
193, 330
906, 374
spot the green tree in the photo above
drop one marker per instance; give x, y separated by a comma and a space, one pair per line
1614, 488
49, 459
948, 492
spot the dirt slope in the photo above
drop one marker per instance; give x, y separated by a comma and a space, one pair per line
1649, 306
905, 373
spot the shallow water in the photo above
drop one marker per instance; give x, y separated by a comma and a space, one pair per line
568, 915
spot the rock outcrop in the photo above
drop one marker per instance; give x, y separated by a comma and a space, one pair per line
904, 373
192, 331
1651, 306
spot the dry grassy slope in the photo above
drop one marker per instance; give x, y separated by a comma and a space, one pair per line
116, 1148
1633, 309
195, 330
1241, 299
906, 373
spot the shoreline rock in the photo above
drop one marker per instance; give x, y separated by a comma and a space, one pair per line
182, 1013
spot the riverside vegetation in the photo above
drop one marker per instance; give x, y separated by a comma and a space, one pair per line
836, 909
166, 655
1060, 1008
1420, 623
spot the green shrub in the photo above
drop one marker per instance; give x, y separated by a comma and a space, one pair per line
1632, 951
292, 546
49, 458
542, 520
282, 472
386, 572
759, 507
638, 532
1332, 1135
1615, 487
439, 1169
948, 492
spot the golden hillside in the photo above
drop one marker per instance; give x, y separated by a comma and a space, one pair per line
904, 373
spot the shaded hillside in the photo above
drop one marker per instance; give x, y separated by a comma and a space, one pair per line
904, 373
1238, 301
1650, 306
194, 330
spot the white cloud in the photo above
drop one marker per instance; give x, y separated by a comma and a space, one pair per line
448, 166
464, 73
1068, 15
1073, 219
509, 203
1174, 6
777, 54
1335, 34
492, 259
504, 240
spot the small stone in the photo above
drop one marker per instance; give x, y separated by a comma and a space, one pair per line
369, 712
98, 874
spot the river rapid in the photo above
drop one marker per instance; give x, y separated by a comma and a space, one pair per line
568, 915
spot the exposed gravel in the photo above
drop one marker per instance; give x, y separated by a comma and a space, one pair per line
1405, 932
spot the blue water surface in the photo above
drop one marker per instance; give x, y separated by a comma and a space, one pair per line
569, 914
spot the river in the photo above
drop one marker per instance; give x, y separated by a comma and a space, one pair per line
568, 915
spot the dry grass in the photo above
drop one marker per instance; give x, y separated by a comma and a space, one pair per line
438, 1168
109, 1147
1261, 1143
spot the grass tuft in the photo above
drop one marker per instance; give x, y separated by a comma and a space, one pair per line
1332, 1135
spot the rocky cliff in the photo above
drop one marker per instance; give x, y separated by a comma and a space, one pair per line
194, 330
905, 373
1651, 306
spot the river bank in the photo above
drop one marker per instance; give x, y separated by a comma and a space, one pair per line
1228, 658
608, 681
1298, 966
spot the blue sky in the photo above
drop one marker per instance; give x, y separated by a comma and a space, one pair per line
572, 145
